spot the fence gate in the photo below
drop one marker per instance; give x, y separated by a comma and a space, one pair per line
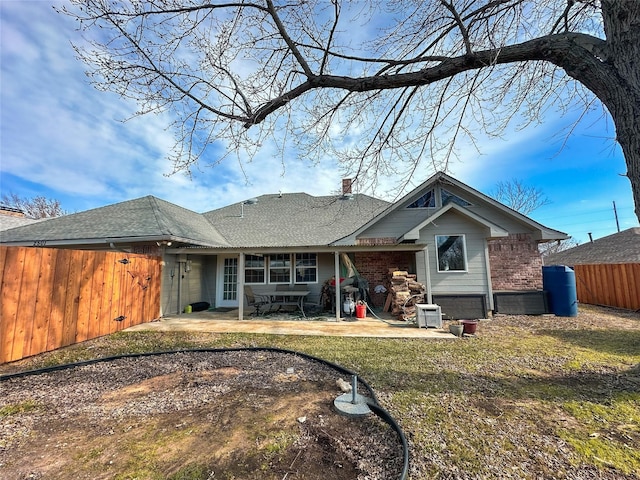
51, 298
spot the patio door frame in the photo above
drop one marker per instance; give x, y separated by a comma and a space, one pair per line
225, 282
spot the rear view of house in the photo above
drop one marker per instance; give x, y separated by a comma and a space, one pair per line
461, 244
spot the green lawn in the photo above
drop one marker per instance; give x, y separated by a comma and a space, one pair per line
530, 397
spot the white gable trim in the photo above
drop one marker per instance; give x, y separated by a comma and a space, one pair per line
494, 230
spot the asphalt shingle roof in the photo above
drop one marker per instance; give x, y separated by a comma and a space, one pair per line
146, 217
623, 247
8, 221
271, 221
294, 219
287, 220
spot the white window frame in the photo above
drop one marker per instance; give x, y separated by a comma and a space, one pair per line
263, 268
292, 268
283, 268
464, 253
304, 256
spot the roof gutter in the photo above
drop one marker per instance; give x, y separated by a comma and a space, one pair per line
401, 247
108, 241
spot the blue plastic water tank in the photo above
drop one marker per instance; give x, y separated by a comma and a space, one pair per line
560, 283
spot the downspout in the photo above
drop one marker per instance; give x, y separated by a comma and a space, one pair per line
240, 284
337, 292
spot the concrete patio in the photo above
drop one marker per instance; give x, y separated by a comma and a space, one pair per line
227, 322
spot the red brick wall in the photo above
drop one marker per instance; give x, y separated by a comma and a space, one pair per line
374, 267
516, 263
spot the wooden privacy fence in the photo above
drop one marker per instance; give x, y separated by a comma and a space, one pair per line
51, 298
611, 284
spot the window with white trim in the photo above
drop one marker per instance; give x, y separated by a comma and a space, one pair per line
452, 253
254, 269
280, 268
306, 268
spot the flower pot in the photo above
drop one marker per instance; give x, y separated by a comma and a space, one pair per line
456, 330
469, 326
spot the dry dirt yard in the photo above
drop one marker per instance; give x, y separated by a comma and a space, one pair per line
196, 415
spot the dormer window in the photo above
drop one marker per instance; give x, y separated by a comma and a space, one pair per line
448, 197
428, 200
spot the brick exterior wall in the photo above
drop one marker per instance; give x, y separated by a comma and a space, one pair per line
516, 263
374, 266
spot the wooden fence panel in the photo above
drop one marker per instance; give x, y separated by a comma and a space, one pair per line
26, 304
84, 299
10, 300
58, 299
614, 285
97, 287
50, 298
43, 302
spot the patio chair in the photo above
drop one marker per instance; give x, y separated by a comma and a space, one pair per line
255, 301
311, 302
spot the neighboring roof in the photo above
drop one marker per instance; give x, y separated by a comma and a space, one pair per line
294, 219
9, 221
143, 219
622, 247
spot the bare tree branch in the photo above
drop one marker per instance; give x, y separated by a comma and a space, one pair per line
398, 80
519, 196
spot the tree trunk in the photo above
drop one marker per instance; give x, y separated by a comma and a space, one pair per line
622, 29
628, 136
612, 73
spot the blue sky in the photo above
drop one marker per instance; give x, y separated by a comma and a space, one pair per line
61, 138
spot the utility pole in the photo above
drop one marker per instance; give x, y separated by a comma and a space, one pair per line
615, 212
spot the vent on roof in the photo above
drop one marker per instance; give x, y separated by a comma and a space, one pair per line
251, 201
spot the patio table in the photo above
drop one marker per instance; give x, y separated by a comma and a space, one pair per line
296, 298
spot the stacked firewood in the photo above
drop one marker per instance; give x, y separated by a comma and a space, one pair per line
404, 292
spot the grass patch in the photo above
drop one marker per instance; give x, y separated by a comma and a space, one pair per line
18, 408
192, 472
607, 434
